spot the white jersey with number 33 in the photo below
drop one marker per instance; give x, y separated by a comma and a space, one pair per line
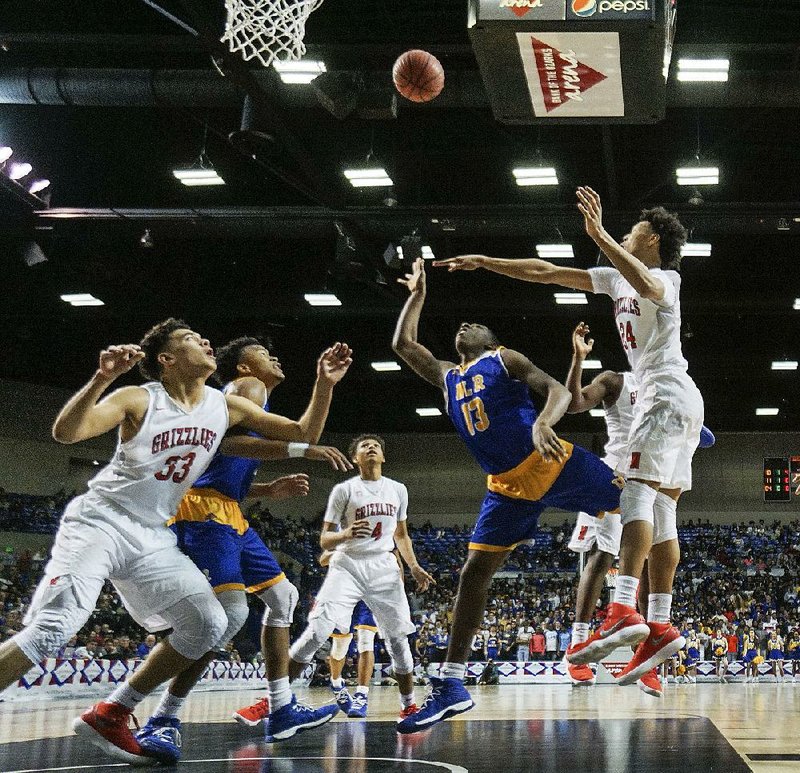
382, 502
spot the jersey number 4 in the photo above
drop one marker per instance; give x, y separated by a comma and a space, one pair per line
626, 335
481, 422
377, 531
177, 468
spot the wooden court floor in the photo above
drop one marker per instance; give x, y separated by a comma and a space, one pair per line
512, 729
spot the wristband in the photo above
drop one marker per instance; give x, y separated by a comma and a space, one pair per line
296, 450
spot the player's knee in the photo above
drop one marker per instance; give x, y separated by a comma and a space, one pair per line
340, 646
49, 630
234, 602
665, 523
199, 622
637, 502
319, 628
400, 653
478, 570
280, 601
366, 640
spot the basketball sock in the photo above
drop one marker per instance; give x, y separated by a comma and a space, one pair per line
454, 671
337, 684
280, 694
362, 689
407, 700
626, 590
659, 607
126, 696
169, 706
580, 632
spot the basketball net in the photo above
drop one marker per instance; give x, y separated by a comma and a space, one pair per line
268, 29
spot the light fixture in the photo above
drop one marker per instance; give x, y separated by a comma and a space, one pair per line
598, 413
697, 175
535, 175
703, 69
195, 176
784, 365
39, 185
322, 299
81, 299
301, 71
16, 171
571, 299
428, 412
592, 365
374, 177
427, 253
696, 250
767, 411
5, 154
385, 366
146, 240
555, 251
796, 304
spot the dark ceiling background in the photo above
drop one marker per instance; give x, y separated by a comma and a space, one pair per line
236, 259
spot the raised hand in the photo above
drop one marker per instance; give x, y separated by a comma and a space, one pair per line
117, 360
580, 345
415, 281
334, 362
592, 210
461, 262
329, 454
288, 486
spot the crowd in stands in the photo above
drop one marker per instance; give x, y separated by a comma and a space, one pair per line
740, 582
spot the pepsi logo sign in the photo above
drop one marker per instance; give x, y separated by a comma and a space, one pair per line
586, 8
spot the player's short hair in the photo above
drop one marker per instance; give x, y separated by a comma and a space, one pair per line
671, 233
154, 342
351, 449
228, 358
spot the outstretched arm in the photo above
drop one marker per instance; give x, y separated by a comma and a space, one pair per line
557, 399
405, 343
528, 270
403, 541
634, 271
605, 386
83, 417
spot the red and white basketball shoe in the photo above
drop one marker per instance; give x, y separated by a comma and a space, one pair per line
662, 643
581, 676
106, 726
650, 683
623, 626
253, 715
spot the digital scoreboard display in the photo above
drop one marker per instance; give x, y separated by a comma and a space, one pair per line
777, 478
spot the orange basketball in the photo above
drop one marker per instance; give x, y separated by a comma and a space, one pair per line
418, 75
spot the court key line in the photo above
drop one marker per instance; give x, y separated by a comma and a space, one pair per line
446, 765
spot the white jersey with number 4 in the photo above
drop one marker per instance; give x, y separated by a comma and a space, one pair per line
382, 502
650, 331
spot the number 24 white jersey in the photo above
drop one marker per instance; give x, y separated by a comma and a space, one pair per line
383, 502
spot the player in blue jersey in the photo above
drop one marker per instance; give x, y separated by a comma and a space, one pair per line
213, 532
529, 468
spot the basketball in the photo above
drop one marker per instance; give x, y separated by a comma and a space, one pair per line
418, 75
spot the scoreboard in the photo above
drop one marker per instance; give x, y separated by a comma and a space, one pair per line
781, 477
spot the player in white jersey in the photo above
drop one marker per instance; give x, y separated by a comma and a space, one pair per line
365, 517
169, 429
644, 285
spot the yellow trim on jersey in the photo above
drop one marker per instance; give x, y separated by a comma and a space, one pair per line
492, 548
531, 479
228, 586
266, 584
341, 635
367, 628
208, 504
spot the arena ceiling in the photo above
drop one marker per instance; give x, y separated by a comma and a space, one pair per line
126, 95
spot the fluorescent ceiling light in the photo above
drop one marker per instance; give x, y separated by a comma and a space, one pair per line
427, 252
696, 250
598, 413
592, 365
195, 177
303, 71
697, 175
81, 299
376, 177
555, 251
428, 412
573, 299
784, 365
385, 366
5, 154
535, 175
322, 299
39, 185
17, 171
767, 411
195, 183
796, 304
703, 69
